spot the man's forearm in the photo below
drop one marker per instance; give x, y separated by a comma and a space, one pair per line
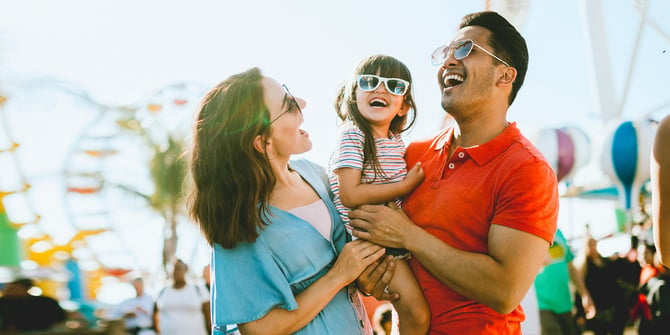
499, 284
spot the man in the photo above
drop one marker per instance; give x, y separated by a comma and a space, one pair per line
554, 295
479, 225
136, 312
21, 311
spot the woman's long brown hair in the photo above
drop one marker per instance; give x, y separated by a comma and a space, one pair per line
232, 181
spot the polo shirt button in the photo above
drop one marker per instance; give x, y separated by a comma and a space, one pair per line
451, 165
461, 155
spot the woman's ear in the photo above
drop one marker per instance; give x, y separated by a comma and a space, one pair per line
260, 143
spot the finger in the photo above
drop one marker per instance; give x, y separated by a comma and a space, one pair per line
374, 256
372, 274
368, 248
392, 205
383, 275
366, 209
381, 288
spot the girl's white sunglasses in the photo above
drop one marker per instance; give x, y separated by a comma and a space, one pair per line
370, 82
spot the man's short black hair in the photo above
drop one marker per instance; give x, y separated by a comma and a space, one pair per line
507, 42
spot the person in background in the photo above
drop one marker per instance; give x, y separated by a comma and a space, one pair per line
368, 166
21, 311
280, 258
660, 190
182, 308
554, 295
602, 278
480, 224
136, 312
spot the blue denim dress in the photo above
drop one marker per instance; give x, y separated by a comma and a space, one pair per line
288, 256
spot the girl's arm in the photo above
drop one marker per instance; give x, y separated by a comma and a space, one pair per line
353, 193
355, 257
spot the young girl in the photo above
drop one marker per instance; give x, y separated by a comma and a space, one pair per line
369, 167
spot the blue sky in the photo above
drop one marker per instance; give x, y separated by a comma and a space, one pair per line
121, 51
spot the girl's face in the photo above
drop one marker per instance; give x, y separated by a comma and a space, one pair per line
286, 138
379, 107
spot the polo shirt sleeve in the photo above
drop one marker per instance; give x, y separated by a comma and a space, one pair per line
248, 284
528, 200
349, 152
569, 256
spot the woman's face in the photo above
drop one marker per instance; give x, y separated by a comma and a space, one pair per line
286, 138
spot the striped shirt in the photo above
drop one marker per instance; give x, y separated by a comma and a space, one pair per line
349, 154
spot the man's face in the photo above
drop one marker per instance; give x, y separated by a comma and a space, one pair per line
466, 84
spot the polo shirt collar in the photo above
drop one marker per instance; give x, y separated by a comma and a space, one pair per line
483, 153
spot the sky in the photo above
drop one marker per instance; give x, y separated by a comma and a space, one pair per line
123, 52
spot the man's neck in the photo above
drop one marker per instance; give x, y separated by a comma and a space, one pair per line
470, 133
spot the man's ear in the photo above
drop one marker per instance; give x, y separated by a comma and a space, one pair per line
508, 76
260, 143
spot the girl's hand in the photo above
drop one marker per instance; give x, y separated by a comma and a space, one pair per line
354, 258
414, 177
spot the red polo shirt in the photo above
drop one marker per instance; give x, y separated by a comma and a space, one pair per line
505, 181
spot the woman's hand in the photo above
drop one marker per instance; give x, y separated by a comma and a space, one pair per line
354, 258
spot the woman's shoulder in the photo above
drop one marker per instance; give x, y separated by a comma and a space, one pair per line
305, 165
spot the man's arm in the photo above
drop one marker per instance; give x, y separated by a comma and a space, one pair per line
660, 194
499, 279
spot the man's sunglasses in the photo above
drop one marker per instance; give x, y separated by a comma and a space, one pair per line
370, 82
461, 49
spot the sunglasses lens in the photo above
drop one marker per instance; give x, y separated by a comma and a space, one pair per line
396, 86
463, 50
439, 55
368, 83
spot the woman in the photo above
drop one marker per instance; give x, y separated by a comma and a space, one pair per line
280, 261
181, 308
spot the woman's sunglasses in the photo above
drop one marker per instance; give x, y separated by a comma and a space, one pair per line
461, 49
370, 82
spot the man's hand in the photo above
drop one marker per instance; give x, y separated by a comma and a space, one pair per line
375, 279
385, 225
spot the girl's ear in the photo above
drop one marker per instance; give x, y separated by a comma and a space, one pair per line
260, 143
404, 109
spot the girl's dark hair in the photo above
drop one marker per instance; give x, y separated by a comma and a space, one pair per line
346, 108
506, 41
232, 180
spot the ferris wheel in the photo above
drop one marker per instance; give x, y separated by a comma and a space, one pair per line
113, 178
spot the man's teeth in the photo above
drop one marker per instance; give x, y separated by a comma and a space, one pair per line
453, 80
